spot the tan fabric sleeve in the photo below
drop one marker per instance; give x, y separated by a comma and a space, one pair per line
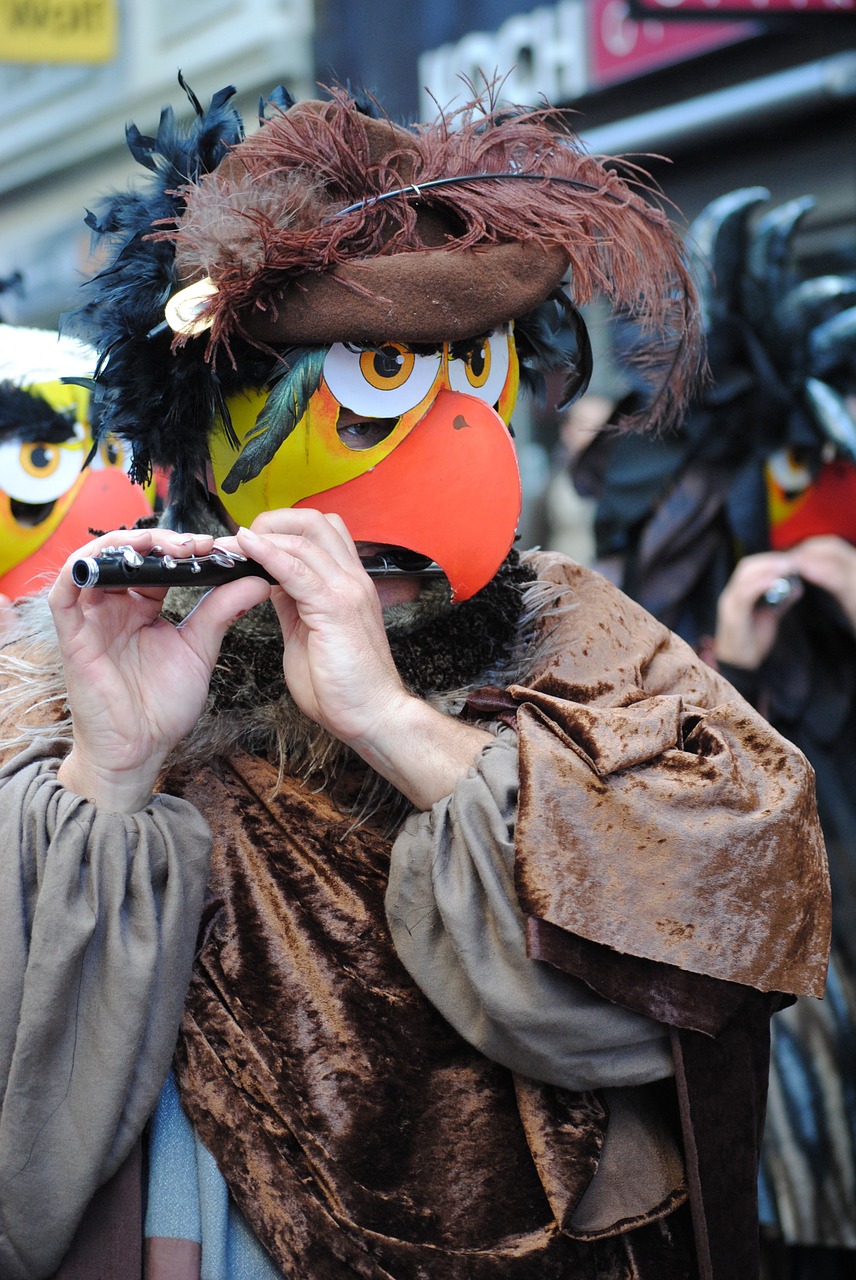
459, 930
98, 920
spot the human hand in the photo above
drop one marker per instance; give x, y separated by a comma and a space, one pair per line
746, 627
829, 562
136, 683
337, 661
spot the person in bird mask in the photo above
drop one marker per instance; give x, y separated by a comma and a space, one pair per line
739, 531
55, 485
415, 901
785, 636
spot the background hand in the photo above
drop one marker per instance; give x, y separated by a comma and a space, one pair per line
829, 562
746, 628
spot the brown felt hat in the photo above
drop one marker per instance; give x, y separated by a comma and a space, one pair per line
414, 273
330, 225
333, 224
412, 297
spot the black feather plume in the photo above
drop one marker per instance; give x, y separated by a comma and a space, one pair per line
280, 100
161, 401
554, 337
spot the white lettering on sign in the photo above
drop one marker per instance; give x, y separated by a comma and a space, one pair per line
620, 33
540, 54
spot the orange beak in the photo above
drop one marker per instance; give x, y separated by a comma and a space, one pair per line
828, 505
449, 491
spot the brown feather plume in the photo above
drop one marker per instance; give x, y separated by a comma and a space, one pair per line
271, 216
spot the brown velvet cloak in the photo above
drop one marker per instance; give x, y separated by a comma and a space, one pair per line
693, 826
657, 830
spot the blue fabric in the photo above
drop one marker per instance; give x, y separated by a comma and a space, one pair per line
808, 1160
188, 1199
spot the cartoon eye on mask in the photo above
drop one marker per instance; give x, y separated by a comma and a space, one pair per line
385, 382
809, 501
112, 452
391, 380
482, 371
37, 471
788, 473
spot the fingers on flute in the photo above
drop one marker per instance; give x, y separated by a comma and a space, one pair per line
204, 627
65, 593
310, 572
328, 532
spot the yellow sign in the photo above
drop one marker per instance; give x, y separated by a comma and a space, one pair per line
58, 30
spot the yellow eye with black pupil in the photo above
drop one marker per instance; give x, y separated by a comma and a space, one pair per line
39, 459
483, 369
388, 367
380, 382
478, 366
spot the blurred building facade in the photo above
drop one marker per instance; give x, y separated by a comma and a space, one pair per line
765, 98
764, 95
61, 123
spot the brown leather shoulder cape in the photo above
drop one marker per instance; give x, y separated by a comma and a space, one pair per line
659, 813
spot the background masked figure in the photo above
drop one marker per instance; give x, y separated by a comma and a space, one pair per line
54, 484
453, 897
739, 530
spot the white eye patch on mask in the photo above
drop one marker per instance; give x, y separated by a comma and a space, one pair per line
390, 380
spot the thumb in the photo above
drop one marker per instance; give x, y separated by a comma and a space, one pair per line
205, 626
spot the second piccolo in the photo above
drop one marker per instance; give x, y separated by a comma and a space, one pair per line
124, 567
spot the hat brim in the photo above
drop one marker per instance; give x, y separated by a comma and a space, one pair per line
422, 296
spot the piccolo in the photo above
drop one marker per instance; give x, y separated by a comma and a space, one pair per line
125, 567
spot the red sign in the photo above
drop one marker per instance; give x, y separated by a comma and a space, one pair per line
668, 9
621, 47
